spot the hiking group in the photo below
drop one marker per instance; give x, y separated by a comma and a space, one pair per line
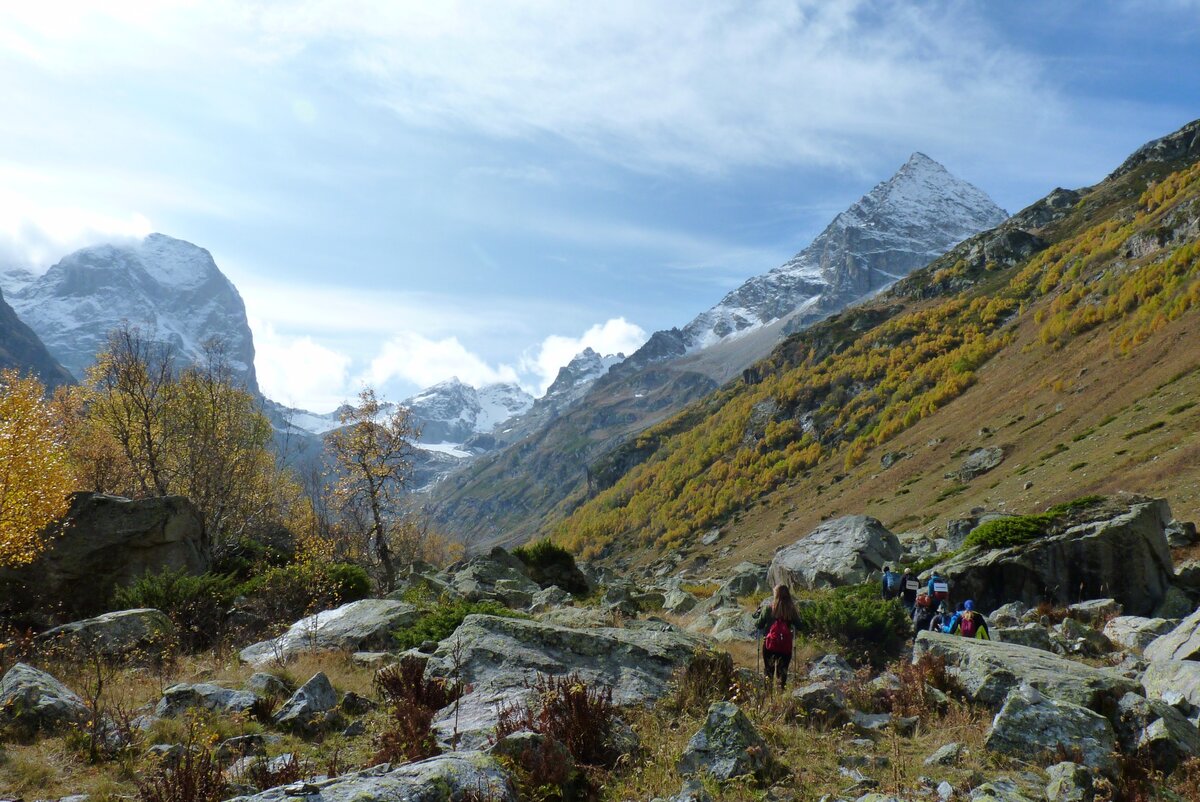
928, 607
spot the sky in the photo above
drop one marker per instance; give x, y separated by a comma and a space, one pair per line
406, 191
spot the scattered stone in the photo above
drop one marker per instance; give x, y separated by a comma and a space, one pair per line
1175, 604
693, 790
1157, 729
305, 711
746, 579
843, 551
253, 745
180, 698
354, 705
1001, 790
1083, 640
728, 746
267, 685
1069, 782
1181, 643
1135, 633
1030, 725
1181, 534
988, 670
355, 729
679, 602
710, 537
979, 462
831, 668
371, 659
33, 701
138, 636
360, 625
165, 755
1095, 611
945, 790
1008, 615
548, 599
821, 703
870, 723
946, 755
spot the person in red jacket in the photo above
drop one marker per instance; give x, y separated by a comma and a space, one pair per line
777, 622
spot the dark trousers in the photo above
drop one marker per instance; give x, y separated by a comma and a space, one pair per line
776, 665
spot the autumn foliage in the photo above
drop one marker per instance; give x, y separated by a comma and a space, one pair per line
35, 471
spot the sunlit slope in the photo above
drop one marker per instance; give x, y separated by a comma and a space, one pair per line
1067, 337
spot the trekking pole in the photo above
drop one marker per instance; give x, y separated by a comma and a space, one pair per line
757, 652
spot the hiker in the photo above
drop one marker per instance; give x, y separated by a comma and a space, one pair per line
892, 584
952, 621
971, 624
942, 621
776, 622
938, 588
909, 587
922, 612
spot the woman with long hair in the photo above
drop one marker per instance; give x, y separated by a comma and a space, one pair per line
777, 622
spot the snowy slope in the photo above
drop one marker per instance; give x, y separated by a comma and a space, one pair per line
171, 290
902, 224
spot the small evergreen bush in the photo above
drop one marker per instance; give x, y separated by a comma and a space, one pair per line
195, 604
1013, 531
286, 593
439, 621
858, 619
550, 564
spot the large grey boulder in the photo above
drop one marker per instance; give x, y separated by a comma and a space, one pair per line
1181, 643
728, 746
32, 700
1119, 552
363, 625
454, 777
844, 551
746, 579
497, 658
141, 635
989, 670
305, 711
180, 698
497, 576
1155, 729
979, 462
1134, 633
1032, 726
103, 543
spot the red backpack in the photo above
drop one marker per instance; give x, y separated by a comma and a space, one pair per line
968, 625
779, 637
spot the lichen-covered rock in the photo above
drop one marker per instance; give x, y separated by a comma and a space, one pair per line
946, 755
34, 701
357, 626
446, 778
1031, 726
1008, 615
728, 746
988, 670
844, 551
1175, 604
679, 602
746, 579
183, 697
1069, 782
1083, 640
1181, 643
497, 658
1156, 729
1095, 610
264, 684
305, 711
141, 635
979, 462
497, 576
1134, 633
822, 703
1035, 636
831, 668
1169, 680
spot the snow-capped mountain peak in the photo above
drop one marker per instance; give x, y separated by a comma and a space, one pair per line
452, 411
170, 289
583, 369
900, 225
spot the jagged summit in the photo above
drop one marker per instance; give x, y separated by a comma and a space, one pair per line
583, 369
452, 411
171, 289
901, 224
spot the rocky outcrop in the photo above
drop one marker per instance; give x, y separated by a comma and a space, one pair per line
22, 351
497, 658
497, 576
1121, 554
1135, 633
1181, 643
989, 670
728, 746
979, 462
456, 776
843, 551
363, 625
131, 635
1173, 681
33, 701
305, 712
103, 543
180, 698
1029, 725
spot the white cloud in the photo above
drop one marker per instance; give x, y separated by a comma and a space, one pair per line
298, 371
35, 236
613, 336
708, 86
423, 361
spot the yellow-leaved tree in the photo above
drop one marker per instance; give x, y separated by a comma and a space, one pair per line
35, 470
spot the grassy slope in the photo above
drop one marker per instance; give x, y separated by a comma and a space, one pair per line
1044, 388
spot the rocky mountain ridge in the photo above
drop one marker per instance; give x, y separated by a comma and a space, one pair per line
21, 350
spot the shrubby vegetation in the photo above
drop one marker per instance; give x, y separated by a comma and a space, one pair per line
856, 618
550, 564
440, 618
